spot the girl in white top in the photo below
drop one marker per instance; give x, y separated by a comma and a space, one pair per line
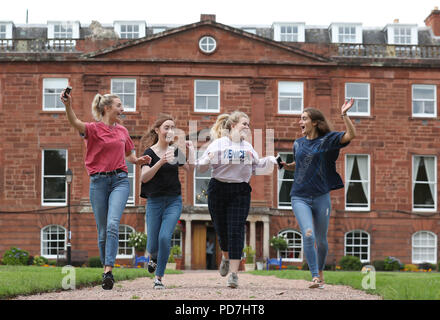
233, 161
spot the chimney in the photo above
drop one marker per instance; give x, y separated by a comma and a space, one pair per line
207, 17
433, 21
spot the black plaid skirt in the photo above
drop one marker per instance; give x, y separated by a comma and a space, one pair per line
229, 205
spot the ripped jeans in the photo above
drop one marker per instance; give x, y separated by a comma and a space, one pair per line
313, 216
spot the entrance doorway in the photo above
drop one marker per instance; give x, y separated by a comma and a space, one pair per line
202, 233
211, 248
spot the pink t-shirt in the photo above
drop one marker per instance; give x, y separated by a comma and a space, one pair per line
106, 147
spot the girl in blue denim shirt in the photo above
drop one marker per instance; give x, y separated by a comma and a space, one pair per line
315, 176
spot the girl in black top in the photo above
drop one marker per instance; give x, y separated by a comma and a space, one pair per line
161, 185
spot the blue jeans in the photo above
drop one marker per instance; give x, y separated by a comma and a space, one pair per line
313, 216
108, 196
162, 214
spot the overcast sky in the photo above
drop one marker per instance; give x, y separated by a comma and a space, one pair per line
371, 13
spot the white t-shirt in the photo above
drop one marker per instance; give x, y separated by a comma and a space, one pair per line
234, 162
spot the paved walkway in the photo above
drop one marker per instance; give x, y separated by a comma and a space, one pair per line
209, 285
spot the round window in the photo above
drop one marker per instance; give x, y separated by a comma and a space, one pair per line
207, 44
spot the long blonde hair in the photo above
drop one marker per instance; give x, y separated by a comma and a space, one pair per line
223, 125
100, 102
151, 137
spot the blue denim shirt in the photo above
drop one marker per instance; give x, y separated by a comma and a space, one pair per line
315, 170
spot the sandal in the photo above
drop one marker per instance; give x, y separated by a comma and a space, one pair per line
321, 284
314, 284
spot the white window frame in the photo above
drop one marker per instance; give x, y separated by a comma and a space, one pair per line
356, 99
299, 25
6, 41
347, 183
300, 85
434, 182
57, 84
390, 32
122, 94
252, 30
334, 30
125, 256
280, 180
117, 27
413, 246
199, 153
292, 246
52, 256
177, 240
52, 204
51, 34
207, 95
131, 200
359, 245
207, 44
424, 115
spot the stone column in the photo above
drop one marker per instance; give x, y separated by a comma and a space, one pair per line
252, 236
266, 239
188, 244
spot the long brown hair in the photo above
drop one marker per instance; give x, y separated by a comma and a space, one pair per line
317, 116
151, 137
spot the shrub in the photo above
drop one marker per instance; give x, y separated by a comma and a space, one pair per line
138, 240
171, 258
350, 263
95, 262
392, 264
305, 266
278, 243
426, 266
16, 256
39, 261
379, 265
176, 251
249, 254
410, 267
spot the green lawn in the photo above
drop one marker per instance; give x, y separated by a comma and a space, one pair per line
24, 280
389, 285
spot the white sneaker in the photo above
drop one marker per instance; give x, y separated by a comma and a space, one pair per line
233, 280
158, 285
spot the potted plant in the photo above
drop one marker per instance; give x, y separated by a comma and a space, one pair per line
279, 243
249, 258
171, 262
176, 251
138, 240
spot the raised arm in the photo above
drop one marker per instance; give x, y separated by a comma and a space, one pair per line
350, 132
71, 116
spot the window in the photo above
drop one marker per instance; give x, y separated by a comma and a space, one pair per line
360, 92
398, 34
424, 183
124, 251
250, 30
158, 29
3, 31
290, 97
53, 239
346, 32
357, 191
207, 44
54, 181
207, 95
66, 31
289, 32
129, 29
176, 238
131, 179
424, 100
201, 181
424, 247
5, 34
63, 31
126, 90
285, 181
52, 88
294, 250
357, 243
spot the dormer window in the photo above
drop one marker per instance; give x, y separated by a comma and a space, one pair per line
63, 29
6, 34
400, 34
346, 32
289, 32
130, 29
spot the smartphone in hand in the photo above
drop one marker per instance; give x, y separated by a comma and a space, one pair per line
67, 91
278, 158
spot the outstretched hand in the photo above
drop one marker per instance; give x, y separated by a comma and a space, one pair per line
347, 105
143, 160
64, 99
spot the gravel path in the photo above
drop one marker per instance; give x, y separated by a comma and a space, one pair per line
209, 285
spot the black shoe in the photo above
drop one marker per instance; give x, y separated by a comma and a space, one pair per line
107, 281
152, 265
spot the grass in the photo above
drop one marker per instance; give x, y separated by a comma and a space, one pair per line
26, 280
389, 285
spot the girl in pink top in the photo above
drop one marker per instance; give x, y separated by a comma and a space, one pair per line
108, 146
